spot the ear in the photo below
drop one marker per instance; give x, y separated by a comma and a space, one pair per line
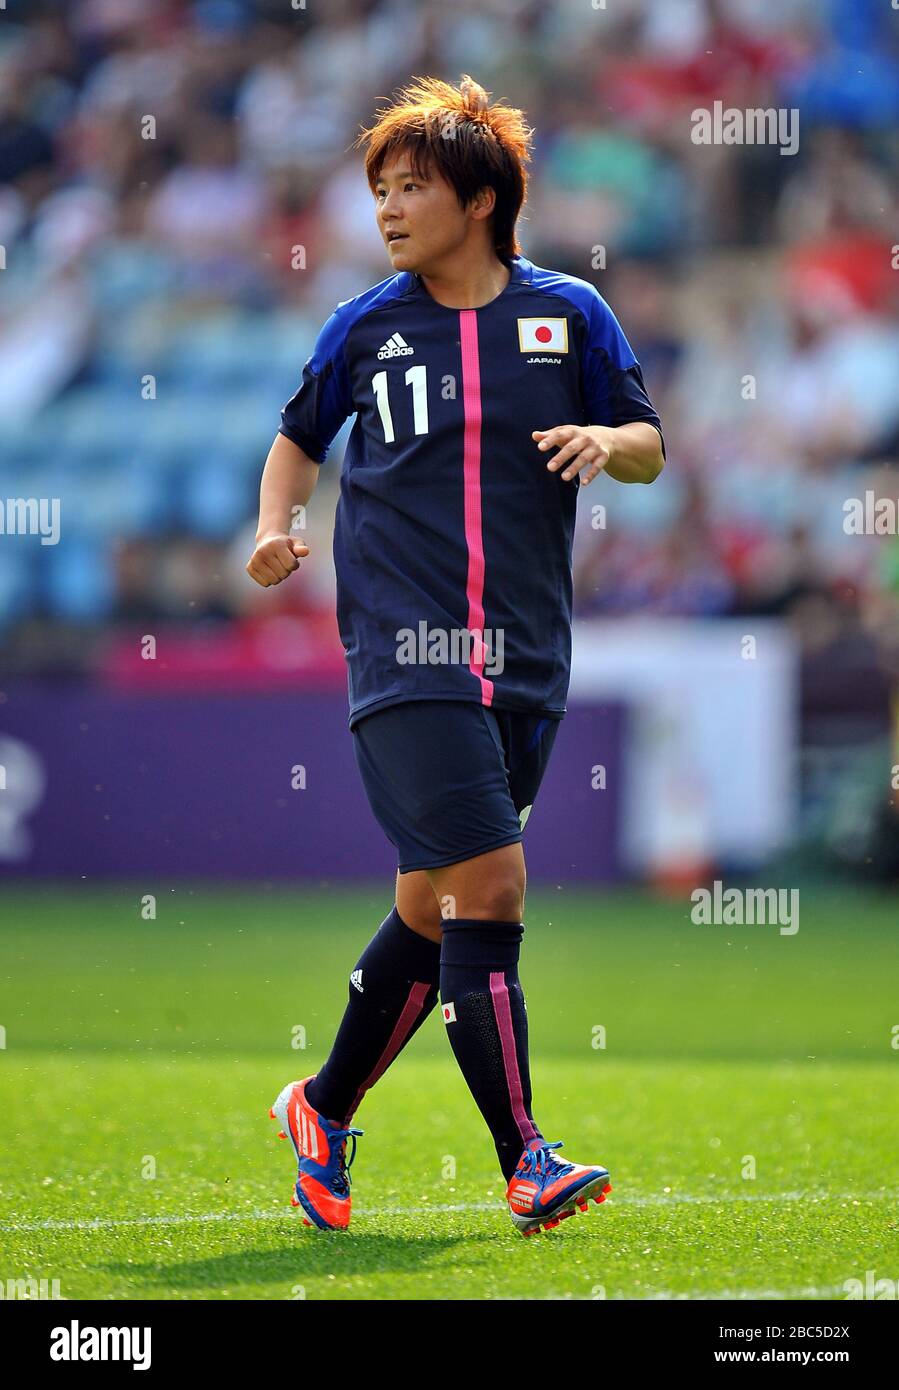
483, 203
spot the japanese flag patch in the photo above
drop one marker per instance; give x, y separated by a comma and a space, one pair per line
449, 1013
543, 335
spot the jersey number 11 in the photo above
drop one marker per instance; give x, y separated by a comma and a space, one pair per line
417, 378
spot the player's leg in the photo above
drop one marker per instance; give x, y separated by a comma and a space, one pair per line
417, 904
394, 984
392, 989
490, 885
407, 758
481, 993
482, 997
483, 1001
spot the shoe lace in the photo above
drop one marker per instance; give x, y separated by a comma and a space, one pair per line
340, 1183
540, 1162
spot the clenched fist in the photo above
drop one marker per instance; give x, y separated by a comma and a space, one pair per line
275, 557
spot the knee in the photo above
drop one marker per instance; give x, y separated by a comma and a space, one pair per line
500, 899
429, 925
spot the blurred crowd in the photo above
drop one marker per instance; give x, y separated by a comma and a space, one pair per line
181, 207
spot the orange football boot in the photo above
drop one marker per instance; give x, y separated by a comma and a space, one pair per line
322, 1187
544, 1190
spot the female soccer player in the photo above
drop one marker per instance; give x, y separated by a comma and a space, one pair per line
466, 368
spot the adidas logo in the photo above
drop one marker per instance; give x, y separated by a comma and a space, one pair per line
396, 346
356, 979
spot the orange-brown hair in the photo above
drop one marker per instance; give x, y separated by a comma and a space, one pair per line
472, 144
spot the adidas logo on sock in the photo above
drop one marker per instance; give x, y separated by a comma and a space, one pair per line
356, 979
396, 346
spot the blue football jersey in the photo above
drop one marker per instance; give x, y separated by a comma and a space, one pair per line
452, 540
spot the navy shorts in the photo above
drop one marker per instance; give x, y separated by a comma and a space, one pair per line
447, 779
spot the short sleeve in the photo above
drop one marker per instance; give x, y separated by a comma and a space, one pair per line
323, 400
614, 390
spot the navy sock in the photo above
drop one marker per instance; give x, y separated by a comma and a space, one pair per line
486, 1022
391, 992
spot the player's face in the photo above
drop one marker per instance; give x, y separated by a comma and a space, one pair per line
419, 218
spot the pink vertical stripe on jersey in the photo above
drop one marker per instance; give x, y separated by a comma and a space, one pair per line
471, 473
411, 1009
502, 1011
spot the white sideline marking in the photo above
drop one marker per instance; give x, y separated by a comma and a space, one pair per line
828, 1291
103, 1223
720, 1295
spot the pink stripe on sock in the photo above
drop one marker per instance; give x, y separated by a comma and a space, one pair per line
502, 1010
471, 473
411, 1009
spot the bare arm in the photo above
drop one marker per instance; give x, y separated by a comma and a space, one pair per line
288, 481
629, 453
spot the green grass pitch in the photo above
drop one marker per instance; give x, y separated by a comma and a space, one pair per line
141, 1057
